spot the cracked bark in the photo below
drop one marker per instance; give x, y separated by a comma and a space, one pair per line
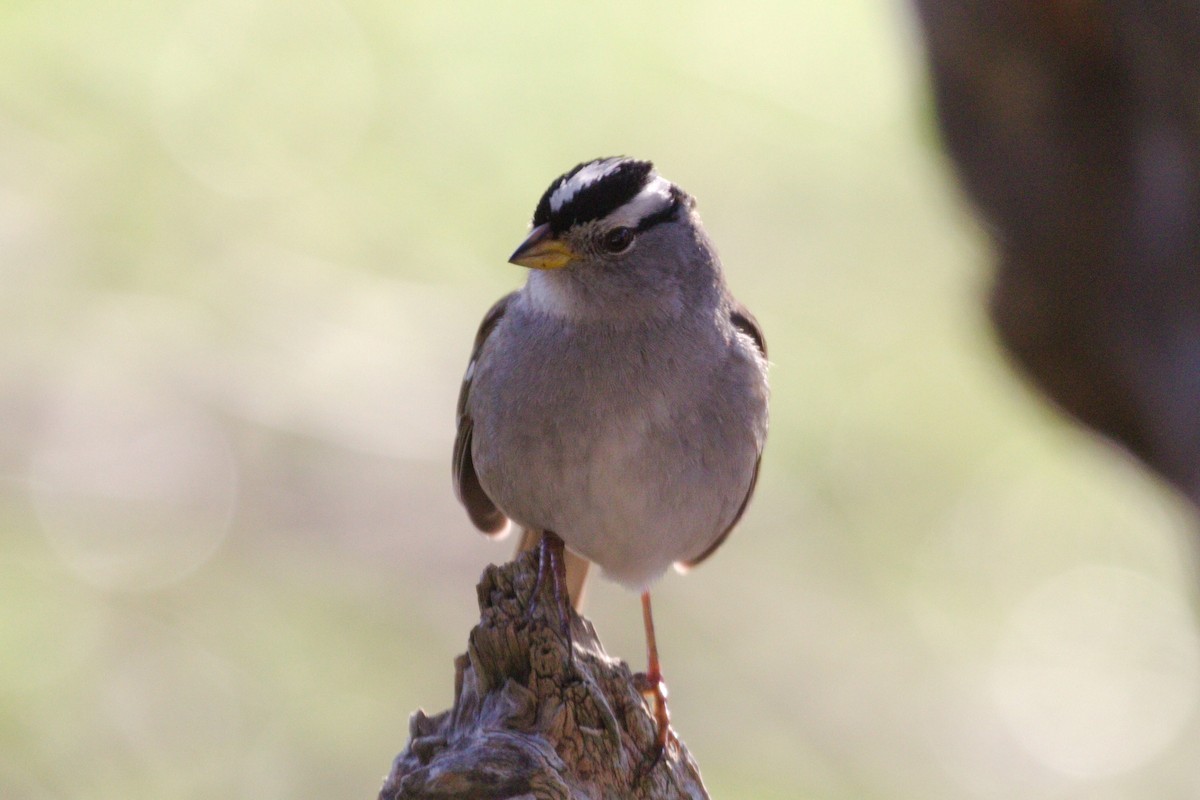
528, 723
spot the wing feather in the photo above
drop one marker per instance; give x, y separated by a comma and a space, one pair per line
480, 508
745, 322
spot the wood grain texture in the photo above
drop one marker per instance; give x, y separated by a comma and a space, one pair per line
530, 723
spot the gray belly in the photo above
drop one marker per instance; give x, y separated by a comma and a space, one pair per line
634, 473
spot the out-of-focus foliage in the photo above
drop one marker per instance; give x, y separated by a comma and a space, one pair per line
243, 250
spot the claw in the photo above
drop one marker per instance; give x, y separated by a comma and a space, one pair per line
551, 558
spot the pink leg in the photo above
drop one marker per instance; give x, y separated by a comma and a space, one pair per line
654, 685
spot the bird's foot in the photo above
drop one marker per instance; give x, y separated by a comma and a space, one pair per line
654, 688
650, 683
552, 559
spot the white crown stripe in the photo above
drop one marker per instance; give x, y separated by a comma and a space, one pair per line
585, 177
654, 197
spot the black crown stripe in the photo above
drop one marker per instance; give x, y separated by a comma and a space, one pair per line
598, 199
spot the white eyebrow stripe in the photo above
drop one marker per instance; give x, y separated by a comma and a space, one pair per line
654, 197
585, 177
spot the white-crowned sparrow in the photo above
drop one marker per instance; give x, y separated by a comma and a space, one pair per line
619, 398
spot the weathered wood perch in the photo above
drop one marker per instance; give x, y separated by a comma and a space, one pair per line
529, 724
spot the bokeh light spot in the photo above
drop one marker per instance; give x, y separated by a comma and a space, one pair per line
134, 488
1097, 671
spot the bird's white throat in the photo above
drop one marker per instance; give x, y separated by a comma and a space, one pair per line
550, 294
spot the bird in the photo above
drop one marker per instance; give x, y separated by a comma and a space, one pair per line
617, 403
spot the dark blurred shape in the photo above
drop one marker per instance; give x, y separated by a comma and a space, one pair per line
1074, 125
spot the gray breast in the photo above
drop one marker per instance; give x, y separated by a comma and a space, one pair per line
636, 445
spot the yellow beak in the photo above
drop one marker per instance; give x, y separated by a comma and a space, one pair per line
541, 250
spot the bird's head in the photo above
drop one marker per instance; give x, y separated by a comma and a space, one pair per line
615, 223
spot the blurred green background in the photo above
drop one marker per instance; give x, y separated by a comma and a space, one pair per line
244, 247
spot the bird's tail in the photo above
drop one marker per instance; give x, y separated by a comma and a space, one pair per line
577, 566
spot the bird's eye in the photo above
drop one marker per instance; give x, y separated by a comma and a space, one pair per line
618, 240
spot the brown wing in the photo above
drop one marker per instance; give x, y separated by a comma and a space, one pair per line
745, 322
470, 493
